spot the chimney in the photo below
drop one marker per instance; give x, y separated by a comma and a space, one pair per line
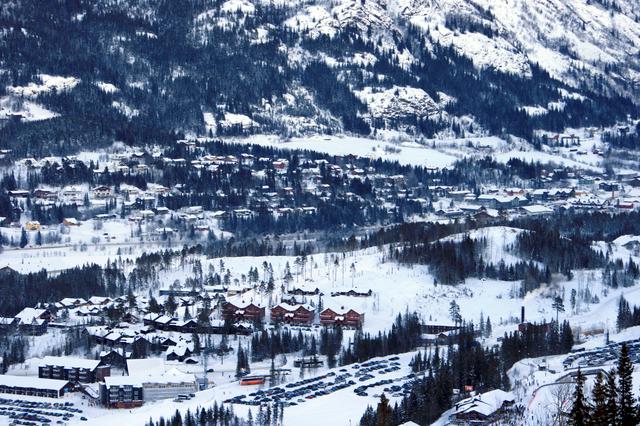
522, 315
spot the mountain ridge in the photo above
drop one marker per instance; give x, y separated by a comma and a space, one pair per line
303, 67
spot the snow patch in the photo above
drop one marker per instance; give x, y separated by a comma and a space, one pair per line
238, 6
48, 84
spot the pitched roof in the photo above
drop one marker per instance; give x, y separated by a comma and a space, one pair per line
291, 308
486, 403
27, 315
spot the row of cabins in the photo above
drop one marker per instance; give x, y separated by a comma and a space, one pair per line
35, 321
123, 338
99, 192
215, 326
122, 346
298, 314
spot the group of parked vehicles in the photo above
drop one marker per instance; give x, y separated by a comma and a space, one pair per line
300, 391
36, 413
601, 356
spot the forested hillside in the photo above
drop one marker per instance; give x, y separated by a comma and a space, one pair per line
79, 73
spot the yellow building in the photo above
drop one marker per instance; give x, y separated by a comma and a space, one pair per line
32, 225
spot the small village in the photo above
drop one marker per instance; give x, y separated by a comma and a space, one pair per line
183, 323
136, 196
136, 356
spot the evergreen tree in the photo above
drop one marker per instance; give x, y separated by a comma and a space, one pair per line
487, 328
611, 392
154, 306
171, 305
384, 414
580, 410
454, 312
624, 318
24, 240
599, 401
242, 362
627, 406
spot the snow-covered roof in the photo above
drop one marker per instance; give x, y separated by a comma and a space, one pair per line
145, 367
485, 404
70, 301
27, 315
98, 300
626, 239
163, 319
242, 304
340, 308
179, 350
444, 323
172, 376
487, 197
122, 381
32, 382
69, 362
537, 209
292, 308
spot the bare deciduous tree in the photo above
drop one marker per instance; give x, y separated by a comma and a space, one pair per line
559, 404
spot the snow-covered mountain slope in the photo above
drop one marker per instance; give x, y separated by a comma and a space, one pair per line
565, 37
568, 38
424, 67
581, 43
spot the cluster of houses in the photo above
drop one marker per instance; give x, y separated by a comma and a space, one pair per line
268, 189
29, 321
494, 203
36, 321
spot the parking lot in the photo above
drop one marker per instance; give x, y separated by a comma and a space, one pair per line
301, 391
31, 413
605, 355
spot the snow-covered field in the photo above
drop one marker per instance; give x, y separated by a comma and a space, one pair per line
443, 152
409, 153
397, 288
79, 246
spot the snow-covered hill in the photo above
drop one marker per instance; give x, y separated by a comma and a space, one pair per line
427, 67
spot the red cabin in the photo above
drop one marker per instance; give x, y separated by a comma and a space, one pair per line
292, 314
243, 311
344, 317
